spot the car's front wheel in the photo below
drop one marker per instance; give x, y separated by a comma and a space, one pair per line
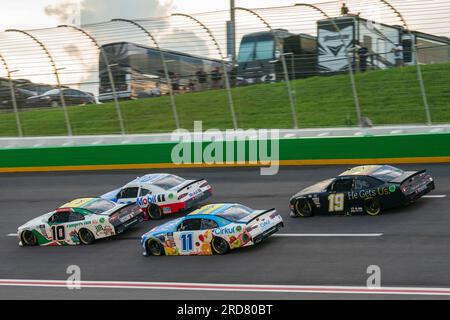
155, 248
28, 238
86, 237
372, 207
220, 246
303, 208
154, 212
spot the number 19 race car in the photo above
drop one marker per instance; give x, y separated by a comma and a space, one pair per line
162, 194
365, 189
81, 221
212, 229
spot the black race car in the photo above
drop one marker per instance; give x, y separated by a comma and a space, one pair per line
365, 189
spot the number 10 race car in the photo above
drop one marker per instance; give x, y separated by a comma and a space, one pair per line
81, 221
212, 229
366, 189
162, 194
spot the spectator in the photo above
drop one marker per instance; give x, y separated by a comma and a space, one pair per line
344, 10
156, 92
175, 78
202, 79
216, 78
399, 55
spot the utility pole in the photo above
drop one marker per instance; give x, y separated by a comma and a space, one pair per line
232, 38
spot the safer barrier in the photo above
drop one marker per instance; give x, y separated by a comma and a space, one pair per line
420, 148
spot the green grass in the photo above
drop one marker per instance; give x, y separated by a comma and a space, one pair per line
386, 96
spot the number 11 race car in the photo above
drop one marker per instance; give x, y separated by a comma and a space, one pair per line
81, 221
212, 229
365, 189
162, 194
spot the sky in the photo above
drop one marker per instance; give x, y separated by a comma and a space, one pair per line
34, 14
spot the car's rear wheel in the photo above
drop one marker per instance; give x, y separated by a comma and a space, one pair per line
154, 212
155, 248
303, 208
86, 237
220, 246
372, 207
28, 238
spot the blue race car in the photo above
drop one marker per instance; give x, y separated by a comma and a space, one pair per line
212, 229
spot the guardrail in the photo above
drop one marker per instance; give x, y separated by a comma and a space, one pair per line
410, 148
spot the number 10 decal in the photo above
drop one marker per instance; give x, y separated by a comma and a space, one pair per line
59, 233
186, 242
336, 202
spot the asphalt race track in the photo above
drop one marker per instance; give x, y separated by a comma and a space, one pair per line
411, 245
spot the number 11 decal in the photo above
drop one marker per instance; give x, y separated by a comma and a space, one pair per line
187, 242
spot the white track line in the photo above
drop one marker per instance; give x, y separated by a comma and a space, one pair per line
435, 196
337, 235
12, 235
228, 287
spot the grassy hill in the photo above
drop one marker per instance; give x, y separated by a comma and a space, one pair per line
386, 96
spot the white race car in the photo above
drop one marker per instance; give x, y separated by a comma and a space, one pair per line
162, 194
81, 221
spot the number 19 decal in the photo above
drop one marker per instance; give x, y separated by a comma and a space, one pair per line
336, 202
186, 242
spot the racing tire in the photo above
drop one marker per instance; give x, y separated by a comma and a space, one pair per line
155, 248
220, 246
372, 207
28, 239
303, 208
154, 212
86, 237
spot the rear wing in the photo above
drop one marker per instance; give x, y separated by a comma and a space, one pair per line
408, 175
190, 184
252, 218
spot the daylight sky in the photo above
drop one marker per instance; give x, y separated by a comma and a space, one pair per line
32, 14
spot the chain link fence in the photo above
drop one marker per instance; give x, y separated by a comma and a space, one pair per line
302, 66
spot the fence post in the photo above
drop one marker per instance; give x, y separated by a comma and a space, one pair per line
110, 75
283, 62
56, 73
225, 72
13, 96
166, 69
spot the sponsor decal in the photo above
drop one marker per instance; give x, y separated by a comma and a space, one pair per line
225, 230
264, 224
392, 188
167, 210
79, 224
102, 220
238, 228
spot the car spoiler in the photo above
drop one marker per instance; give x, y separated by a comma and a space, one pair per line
190, 184
408, 175
253, 218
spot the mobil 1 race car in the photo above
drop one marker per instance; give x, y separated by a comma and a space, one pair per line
212, 229
162, 194
362, 190
81, 221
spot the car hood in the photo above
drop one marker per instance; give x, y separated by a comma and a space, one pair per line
36, 222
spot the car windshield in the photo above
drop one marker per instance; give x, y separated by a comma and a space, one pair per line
235, 213
168, 182
387, 173
99, 206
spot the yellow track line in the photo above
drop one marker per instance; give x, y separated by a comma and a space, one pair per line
236, 165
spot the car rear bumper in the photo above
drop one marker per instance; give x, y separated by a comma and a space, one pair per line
120, 228
266, 234
198, 199
420, 193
